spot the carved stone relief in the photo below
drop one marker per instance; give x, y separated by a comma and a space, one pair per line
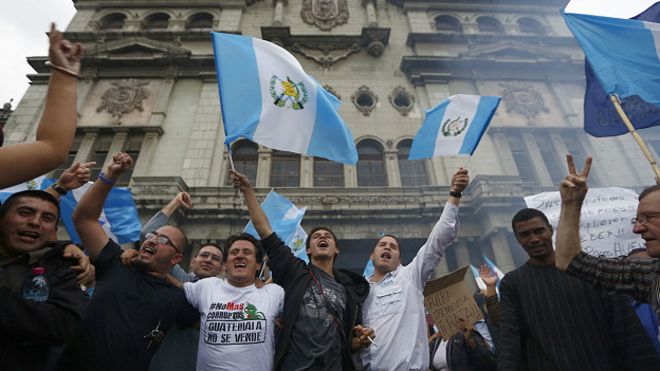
401, 100
324, 14
326, 59
123, 97
364, 99
523, 99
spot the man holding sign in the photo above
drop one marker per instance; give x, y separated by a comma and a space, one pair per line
638, 278
552, 321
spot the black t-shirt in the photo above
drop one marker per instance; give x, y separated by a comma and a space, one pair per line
317, 331
128, 303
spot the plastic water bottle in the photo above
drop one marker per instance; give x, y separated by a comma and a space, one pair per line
35, 287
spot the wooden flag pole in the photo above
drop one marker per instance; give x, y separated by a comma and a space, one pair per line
231, 164
617, 105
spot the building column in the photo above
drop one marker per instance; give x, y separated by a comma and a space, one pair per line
535, 156
462, 259
86, 146
392, 168
117, 145
372, 18
147, 150
159, 111
502, 251
504, 153
306, 171
350, 176
263, 167
278, 12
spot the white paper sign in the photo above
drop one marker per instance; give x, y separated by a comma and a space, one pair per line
605, 227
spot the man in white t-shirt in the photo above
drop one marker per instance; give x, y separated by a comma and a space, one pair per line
237, 319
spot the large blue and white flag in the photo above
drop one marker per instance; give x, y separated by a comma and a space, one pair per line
119, 218
297, 244
267, 97
623, 53
600, 116
454, 127
284, 218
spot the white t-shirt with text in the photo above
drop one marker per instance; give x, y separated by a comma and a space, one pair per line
236, 329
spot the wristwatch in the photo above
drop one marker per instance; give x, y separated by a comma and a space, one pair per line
58, 189
455, 194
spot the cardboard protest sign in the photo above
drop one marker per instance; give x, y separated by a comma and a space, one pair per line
605, 227
448, 299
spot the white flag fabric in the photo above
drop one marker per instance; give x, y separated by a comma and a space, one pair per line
268, 98
453, 127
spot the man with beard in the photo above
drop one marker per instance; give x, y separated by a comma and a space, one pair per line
132, 307
395, 305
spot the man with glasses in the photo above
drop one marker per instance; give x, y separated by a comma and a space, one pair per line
638, 278
132, 307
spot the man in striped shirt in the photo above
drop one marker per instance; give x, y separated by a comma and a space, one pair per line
552, 321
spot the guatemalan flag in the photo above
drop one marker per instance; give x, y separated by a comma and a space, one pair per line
267, 97
623, 54
284, 218
119, 218
453, 127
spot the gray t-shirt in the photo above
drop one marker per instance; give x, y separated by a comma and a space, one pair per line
316, 334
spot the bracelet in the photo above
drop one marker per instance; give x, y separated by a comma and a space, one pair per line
62, 69
455, 194
105, 180
58, 188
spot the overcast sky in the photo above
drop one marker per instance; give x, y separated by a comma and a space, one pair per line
23, 25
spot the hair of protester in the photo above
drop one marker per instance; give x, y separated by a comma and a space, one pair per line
390, 236
222, 251
185, 238
30, 193
648, 190
258, 249
527, 214
318, 228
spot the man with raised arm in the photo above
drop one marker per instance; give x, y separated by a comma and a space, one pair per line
322, 308
395, 305
638, 278
132, 307
57, 126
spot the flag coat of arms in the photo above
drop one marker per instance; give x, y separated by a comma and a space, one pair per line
453, 127
623, 53
267, 97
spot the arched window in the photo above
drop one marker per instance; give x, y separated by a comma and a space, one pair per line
489, 24
200, 21
328, 173
447, 23
246, 156
157, 21
284, 169
530, 25
113, 21
413, 172
371, 164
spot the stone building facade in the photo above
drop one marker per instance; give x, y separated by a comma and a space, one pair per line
149, 89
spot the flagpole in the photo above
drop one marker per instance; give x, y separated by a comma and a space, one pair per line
617, 105
231, 164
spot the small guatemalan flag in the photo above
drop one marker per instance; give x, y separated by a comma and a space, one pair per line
454, 126
267, 97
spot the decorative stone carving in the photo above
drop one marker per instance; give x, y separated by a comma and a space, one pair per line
331, 91
326, 59
376, 48
324, 14
401, 100
523, 99
364, 99
123, 97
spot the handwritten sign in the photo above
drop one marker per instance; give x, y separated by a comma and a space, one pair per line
605, 228
448, 299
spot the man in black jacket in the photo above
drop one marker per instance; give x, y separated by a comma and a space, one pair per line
323, 305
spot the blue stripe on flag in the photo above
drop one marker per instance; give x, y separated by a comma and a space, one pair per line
238, 83
485, 111
634, 69
333, 142
423, 145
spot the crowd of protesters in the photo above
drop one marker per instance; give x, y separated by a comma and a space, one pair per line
561, 310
